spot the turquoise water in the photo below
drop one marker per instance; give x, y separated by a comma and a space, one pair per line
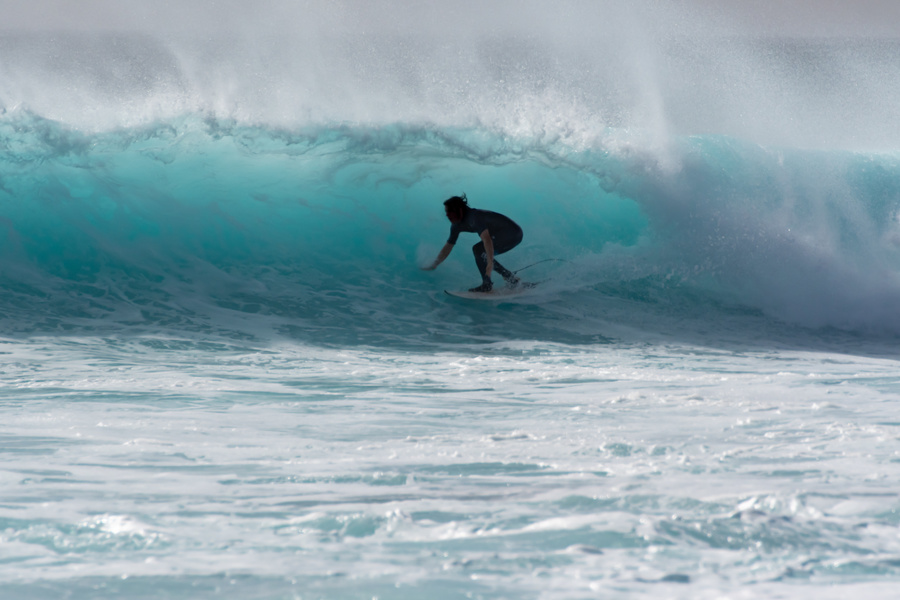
321, 231
226, 376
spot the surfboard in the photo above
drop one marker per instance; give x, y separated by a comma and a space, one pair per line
498, 293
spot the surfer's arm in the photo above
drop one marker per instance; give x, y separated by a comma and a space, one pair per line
488, 252
444, 253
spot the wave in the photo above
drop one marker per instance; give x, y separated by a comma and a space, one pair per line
198, 222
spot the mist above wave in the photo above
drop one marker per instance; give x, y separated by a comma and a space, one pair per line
520, 68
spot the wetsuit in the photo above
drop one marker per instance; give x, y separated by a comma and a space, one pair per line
505, 234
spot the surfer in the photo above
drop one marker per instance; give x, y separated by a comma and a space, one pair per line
498, 233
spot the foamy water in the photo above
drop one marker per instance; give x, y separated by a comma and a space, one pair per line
161, 466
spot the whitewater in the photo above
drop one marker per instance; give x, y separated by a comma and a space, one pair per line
225, 373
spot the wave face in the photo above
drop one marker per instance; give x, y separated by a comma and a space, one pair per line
284, 169
196, 222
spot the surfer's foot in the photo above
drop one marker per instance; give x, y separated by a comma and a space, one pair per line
487, 286
513, 281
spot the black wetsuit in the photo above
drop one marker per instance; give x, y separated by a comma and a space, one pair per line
505, 234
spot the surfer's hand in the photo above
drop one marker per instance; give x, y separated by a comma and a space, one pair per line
431, 267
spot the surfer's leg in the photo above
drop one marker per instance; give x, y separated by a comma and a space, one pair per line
503, 271
504, 242
506, 239
481, 261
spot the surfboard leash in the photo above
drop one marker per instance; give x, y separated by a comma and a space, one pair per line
539, 262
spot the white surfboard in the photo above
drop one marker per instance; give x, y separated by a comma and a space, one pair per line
498, 293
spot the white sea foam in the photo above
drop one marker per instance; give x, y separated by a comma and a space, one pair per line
537, 471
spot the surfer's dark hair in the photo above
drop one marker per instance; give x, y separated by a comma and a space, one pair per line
457, 204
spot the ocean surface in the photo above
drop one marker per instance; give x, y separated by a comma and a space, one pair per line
225, 374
